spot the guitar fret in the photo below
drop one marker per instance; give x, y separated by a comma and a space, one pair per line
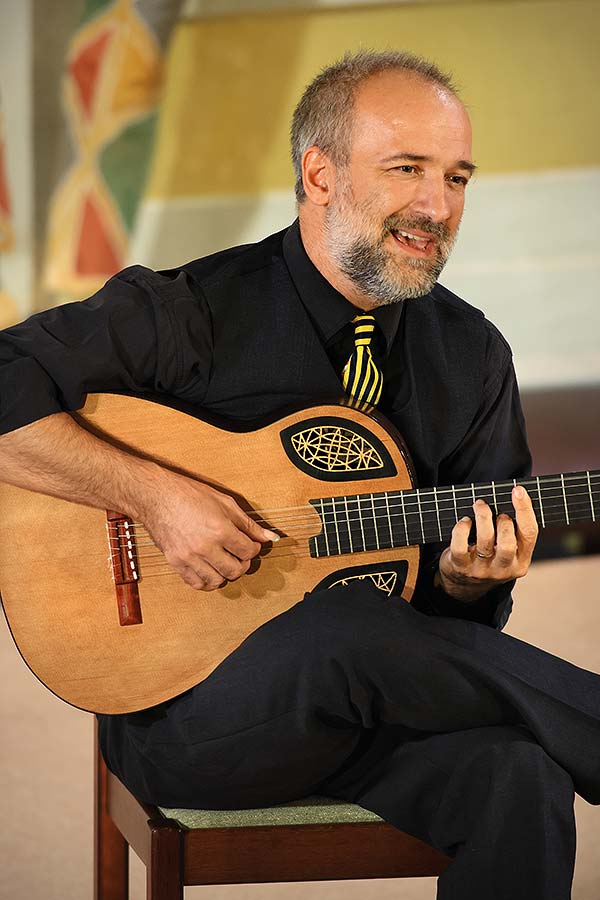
407, 540
437, 510
348, 524
495, 500
541, 505
562, 481
375, 522
591, 498
360, 519
325, 530
335, 522
316, 542
420, 514
455, 506
389, 521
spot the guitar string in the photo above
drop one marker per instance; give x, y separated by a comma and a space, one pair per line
454, 491
433, 529
332, 515
302, 554
364, 515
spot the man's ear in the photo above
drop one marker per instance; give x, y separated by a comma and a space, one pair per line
317, 176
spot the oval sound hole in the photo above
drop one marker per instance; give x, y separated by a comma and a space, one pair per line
388, 577
332, 448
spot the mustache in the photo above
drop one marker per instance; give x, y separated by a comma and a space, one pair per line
399, 223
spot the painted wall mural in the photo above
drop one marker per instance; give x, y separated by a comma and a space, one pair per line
8, 309
111, 91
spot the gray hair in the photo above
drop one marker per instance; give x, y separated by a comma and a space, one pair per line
323, 117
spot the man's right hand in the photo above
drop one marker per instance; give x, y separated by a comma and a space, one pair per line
204, 534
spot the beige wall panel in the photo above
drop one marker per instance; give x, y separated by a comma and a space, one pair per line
526, 69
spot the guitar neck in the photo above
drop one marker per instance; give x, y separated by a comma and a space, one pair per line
360, 522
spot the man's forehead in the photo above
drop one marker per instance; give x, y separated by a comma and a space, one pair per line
396, 104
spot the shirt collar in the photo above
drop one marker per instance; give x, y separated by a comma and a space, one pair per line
327, 307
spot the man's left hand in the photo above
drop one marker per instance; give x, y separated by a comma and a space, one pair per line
467, 571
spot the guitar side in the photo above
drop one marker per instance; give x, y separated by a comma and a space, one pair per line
57, 583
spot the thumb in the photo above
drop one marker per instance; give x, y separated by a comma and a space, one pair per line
257, 532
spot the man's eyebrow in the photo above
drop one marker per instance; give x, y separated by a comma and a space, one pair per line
415, 157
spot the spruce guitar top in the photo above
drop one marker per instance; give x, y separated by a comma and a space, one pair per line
104, 623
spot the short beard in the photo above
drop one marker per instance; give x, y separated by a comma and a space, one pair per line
370, 265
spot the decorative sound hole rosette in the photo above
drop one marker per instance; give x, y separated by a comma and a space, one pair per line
388, 577
383, 581
336, 450
333, 448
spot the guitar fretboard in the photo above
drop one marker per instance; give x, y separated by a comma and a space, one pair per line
360, 522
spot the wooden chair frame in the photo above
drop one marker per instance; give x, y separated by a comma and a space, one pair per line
175, 856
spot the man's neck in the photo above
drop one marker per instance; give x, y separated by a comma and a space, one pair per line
312, 239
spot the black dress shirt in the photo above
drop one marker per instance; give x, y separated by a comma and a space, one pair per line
251, 330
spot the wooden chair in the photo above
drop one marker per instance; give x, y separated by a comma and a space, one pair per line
313, 840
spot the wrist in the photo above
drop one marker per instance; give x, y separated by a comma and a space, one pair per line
459, 589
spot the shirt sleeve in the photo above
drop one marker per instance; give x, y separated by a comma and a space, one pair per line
493, 448
143, 333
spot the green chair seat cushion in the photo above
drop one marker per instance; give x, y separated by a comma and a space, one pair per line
312, 810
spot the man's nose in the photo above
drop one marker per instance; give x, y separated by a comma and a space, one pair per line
431, 199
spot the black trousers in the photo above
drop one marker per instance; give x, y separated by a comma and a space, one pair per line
463, 736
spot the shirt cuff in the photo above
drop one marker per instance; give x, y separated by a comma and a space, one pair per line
492, 609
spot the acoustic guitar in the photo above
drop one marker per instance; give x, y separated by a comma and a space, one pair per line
101, 619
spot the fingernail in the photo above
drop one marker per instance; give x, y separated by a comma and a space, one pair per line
272, 536
465, 519
519, 492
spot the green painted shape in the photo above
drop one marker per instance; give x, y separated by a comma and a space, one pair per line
92, 8
124, 164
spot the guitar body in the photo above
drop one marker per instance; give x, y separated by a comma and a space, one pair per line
58, 584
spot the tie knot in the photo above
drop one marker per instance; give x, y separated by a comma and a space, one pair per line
364, 326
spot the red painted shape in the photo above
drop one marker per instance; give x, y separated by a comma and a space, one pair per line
4, 195
85, 67
95, 253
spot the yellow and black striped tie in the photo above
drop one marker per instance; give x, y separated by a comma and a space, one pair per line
361, 378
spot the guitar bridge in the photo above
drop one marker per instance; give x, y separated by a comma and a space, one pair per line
123, 559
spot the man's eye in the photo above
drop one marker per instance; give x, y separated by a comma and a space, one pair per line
459, 179
406, 168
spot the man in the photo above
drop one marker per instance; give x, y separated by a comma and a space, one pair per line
426, 714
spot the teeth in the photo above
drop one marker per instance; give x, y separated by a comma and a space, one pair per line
412, 237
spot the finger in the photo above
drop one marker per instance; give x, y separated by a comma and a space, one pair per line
459, 543
239, 544
506, 541
201, 577
527, 527
229, 566
484, 525
251, 528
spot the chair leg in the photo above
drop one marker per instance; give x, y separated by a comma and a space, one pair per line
111, 850
164, 871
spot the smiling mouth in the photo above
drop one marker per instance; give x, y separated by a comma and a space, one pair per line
417, 244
